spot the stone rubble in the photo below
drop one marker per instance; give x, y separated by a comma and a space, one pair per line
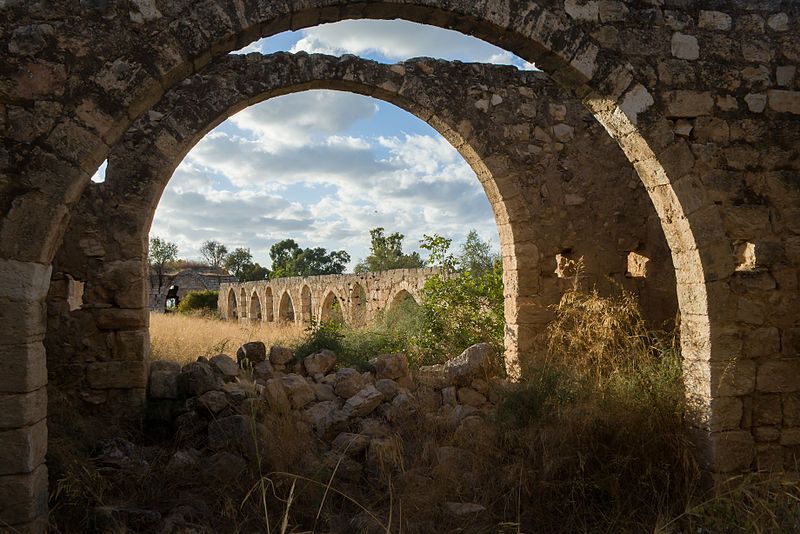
214, 406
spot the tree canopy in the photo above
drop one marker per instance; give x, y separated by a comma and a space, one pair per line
289, 259
240, 264
214, 253
386, 252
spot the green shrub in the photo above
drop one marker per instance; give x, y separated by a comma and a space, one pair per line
324, 335
199, 301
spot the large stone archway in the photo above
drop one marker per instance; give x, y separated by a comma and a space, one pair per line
554, 181
708, 120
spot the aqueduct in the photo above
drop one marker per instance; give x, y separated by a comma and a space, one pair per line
360, 297
702, 103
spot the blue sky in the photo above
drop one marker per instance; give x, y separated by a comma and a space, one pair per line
324, 167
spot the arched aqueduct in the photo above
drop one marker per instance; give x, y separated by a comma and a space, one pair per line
655, 126
359, 297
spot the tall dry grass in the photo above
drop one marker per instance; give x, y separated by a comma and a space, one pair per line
182, 338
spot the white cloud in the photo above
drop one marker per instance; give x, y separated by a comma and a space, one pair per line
295, 119
327, 188
397, 40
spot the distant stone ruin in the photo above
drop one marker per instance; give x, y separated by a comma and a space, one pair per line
359, 297
185, 281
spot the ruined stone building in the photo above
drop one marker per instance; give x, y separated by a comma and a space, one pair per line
185, 280
659, 143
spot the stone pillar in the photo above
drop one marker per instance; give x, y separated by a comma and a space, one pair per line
23, 396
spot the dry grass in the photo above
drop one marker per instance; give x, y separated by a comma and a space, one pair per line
182, 338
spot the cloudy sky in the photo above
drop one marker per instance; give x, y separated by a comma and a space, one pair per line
324, 167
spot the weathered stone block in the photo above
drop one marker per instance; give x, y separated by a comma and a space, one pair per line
733, 451
116, 375
767, 410
120, 319
779, 376
733, 379
392, 366
320, 362
163, 383
23, 497
715, 20
726, 413
687, 103
23, 368
22, 450
21, 409
784, 101
685, 46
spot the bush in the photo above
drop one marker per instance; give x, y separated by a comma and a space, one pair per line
461, 309
199, 302
324, 335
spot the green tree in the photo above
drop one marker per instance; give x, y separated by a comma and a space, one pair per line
253, 272
289, 259
463, 307
214, 253
160, 253
238, 262
438, 248
386, 252
476, 255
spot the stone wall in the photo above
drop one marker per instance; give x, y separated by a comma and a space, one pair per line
560, 175
702, 98
360, 296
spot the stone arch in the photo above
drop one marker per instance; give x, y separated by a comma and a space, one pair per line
255, 311
269, 306
286, 312
358, 304
233, 311
400, 291
51, 173
519, 240
306, 304
400, 296
332, 308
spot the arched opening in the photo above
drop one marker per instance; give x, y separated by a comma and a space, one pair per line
255, 308
233, 311
358, 305
286, 310
614, 89
402, 299
331, 310
306, 305
269, 306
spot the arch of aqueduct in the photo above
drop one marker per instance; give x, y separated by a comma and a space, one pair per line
360, 297
702, 105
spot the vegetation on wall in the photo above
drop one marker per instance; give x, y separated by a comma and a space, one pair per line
386, 252
199, 302
289, 259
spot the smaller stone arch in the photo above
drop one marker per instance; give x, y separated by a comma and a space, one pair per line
286, 309
233, 310
401, 297
268, 309
358, 304
306, 304
255, 307
331, 309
